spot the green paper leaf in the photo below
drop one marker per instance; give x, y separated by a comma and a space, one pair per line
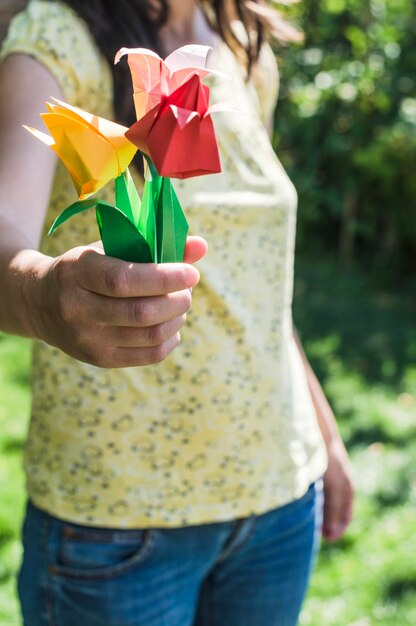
127, 198
153, 170
171, 224
120, 237
147, 221
77, 207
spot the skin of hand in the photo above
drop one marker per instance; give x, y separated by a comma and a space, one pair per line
338, 483
338, 492
108, 312
98, 309
111, 313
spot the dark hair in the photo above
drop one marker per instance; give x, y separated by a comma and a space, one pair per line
136, 23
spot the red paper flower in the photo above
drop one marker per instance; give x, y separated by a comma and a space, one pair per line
178, 133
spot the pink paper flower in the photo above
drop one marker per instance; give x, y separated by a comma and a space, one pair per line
174, 124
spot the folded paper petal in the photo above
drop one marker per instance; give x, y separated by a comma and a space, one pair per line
154, 78
183, 116
109, 130
181, 152
190, 56
193, 96
93, 149
147, 71
139, 131
178, 134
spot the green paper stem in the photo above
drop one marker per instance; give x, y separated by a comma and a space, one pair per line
150, 165
147, 222
172, 226
127, 198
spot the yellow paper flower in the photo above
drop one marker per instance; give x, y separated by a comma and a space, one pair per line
93, 149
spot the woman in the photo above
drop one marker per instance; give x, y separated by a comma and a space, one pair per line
167, 484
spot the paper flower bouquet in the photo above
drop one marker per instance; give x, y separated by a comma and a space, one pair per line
175, 134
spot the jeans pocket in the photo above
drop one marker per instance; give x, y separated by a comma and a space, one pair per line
99, 553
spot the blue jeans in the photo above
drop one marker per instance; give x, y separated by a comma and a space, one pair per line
249, 572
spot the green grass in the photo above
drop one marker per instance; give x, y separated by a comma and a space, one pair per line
14, 412
361, 339
360, 336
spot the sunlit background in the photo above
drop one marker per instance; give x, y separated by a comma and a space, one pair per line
346, 132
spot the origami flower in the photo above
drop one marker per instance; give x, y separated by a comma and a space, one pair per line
153, 78
93, 149
176, 135
174, 126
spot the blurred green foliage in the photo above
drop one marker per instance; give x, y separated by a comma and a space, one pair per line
346, 129
361, 340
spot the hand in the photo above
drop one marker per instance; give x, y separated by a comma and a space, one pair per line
338, 492
111, 313
338, 487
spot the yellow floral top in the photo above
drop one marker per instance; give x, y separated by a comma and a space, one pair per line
225, 427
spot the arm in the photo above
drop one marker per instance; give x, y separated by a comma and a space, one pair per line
93, 307
338, 487
26, 174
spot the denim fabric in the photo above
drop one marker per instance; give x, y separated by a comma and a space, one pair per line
250, 572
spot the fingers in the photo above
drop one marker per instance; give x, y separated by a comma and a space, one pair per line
118, 279
152, 336
97, 245
337, 512
135, 312
338, 491
196, 248
115, 357
132, 357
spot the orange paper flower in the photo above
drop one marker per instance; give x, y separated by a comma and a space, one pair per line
174, 124
93, 149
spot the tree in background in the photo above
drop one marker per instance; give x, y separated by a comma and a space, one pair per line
346, 129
